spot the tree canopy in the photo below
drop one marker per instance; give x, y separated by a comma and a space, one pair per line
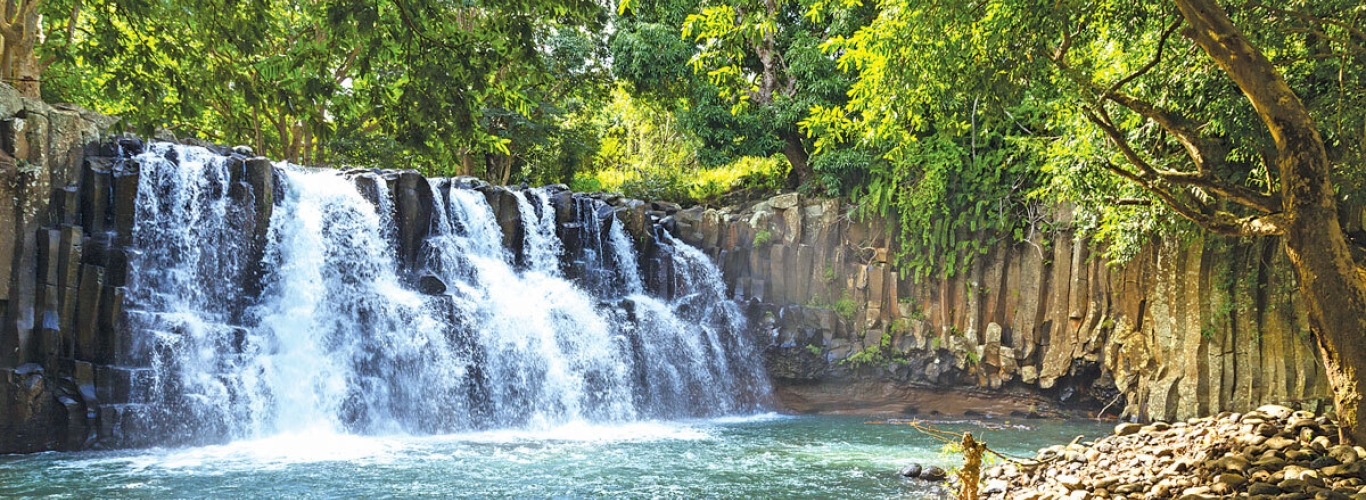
967, 121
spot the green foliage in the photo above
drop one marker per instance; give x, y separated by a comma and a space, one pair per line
413, 83
762, 238
645, 153
750, 71
971, 358
845, 307
871, 355
815, 350
876, 354
946, 159
979, 133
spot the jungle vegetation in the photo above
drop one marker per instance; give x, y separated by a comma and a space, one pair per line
968, 122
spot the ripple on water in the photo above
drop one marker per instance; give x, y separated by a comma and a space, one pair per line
763, 456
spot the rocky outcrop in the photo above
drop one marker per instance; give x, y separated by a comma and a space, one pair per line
1272, 452
68, 362
1189, 327
56, 285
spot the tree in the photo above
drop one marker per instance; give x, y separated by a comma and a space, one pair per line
1301, 208
1304, 210
20, 31
1175, 92
748, 72
412, 83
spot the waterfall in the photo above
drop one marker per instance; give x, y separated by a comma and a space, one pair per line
534, 319
185, 276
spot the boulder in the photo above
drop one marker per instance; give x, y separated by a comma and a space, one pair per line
911, 470
429, 284
933, 473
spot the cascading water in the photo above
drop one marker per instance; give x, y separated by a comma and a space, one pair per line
346, 336
185, 276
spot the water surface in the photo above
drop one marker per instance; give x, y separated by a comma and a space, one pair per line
765, 456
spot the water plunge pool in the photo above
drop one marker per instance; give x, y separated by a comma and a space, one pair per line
763, 456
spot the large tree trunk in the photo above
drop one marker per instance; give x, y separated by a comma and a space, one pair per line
19, 65
1328, 278
795, 152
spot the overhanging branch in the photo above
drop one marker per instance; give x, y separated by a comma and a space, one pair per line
1152, 181
1157, 58
1355, 31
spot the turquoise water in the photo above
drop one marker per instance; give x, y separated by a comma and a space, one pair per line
764, 456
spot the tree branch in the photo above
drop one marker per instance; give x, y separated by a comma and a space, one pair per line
1232, 192
1186, 135
1152, 181
1101, 118
1302, 158
1311, 18
1157, 58
7, 30
1174, 124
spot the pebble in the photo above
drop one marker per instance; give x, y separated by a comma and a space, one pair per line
1271, 453
1127, 428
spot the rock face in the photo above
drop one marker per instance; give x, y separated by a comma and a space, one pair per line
1187, 328
1271, 452
63, 215
67, 363
80, 360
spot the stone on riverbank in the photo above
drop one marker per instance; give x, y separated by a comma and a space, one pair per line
1273, 452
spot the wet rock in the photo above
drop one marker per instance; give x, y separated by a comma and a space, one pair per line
429, 284
911, 470
413, 204
933, 473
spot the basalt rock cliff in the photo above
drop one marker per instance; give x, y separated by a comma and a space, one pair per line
1190, 327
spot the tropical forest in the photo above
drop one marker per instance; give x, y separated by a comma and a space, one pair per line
920, 249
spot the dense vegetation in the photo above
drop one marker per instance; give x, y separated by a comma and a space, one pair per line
969, 122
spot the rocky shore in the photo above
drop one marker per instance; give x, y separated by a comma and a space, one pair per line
1270, 453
